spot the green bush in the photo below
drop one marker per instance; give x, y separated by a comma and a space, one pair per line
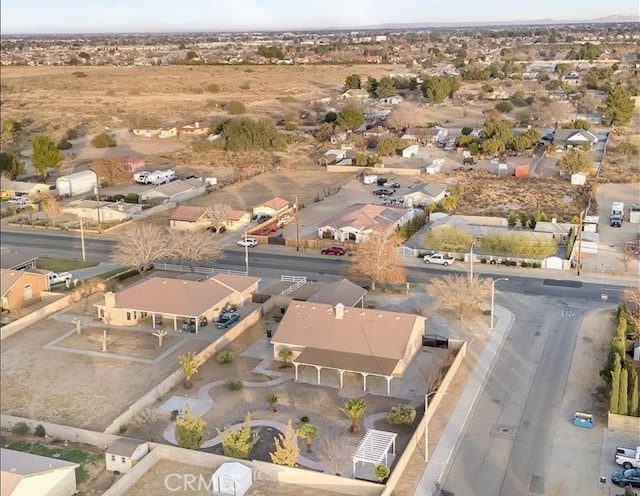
536, 265
132, 198
122, 429
79, 74
483, 260
64, 144
117, 198
39, 431
103, 140
235, 107
234, 384
225, 357
213, 88
21, 429
513, 263
401, 415
524, 264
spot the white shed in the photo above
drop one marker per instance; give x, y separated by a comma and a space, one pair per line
578, 179
410, 151
76, 184
232, 478
123, 454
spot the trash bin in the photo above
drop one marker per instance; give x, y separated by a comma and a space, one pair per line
269, 333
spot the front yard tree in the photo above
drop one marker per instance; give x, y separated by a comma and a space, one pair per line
49, 205
238, 443
352, 82
10, 165
635, 394
309, 432
141, 245
386, 87
285, 354
404, 116
194, 247
189, 430
354, 409
493, 146
575, 161
190, 364
44, 155
377, 259
351, 118
618, 107
287, 448
372, 85
614, 399
623, 398
460, 294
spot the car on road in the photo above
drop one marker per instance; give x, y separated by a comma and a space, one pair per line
392, 185
19, 201
248, 242
624, 477
333, 250
383, 192
226, 320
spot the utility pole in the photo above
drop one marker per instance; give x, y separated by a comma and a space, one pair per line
95, 190
297, 225
580, 226
84, 258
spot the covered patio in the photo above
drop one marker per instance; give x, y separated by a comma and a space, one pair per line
375, 448
365, 365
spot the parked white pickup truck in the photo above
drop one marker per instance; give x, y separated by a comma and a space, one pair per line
628, 457
61, 277
439, 258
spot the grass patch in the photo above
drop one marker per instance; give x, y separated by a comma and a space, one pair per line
62, 264
74, 455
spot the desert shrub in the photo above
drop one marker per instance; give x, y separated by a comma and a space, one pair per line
103, 140
401, 415
79, 74
119, 197
234, 384
235, 107
486, 312
134, 92
535, 265
212, 88
225, 357
132, 198
21, 429
64, 144
123, 428
72, 133
205, 146
524, 264
483, 260
39, 431
304, 419
504, 107
290, 126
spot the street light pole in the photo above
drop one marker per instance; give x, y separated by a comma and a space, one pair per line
471, 258
426, 425
246, 254
493, 295
95, 190
82, 240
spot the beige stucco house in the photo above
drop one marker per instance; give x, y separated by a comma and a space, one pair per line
349, 339
21, 288
186, 217
26, 474
271, 208
173, 300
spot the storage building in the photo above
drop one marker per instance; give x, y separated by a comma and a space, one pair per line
76, 184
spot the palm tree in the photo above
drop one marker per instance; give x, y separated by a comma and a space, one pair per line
190, 365
308, 432
354, 408
381, 472
285, 355
271, 399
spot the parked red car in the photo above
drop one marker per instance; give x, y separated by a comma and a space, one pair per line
333, 250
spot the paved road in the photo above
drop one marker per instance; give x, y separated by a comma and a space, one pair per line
506, 446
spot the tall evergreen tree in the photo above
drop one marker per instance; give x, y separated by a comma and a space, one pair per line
614, 400
45, 155
618, 107
623, 398
635, 394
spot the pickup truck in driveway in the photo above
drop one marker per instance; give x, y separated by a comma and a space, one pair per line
628, 457
439, 258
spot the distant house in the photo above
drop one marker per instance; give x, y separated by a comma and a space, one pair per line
343, 291
132, 164
26, 474
355, 94
349, 340
355, 222
195, 129
186, 217
333, 156
425, 194
175, 191
237, 219
10, 188
11, 259
558, 231
103, 211
146, 131
569, 138
572, 79
21, 288
123, 454
175, 299
270, 208
169, 131
410, 151
392, 100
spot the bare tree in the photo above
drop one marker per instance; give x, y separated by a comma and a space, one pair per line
631, 298
460, 294
110, 172
335, 453
194, 247
404, 116
150, 423
626, 256
49, 205
377, 259
550, 113
141, 245
219, 212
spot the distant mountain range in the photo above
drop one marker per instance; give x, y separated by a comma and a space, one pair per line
535, 22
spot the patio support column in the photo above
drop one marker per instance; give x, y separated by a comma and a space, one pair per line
153, 319
389, 385
175, 323
341, 376
197, 324
318, 369
364, 377
296, 366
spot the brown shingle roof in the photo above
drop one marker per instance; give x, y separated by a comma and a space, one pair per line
343, 291
276, 203
364, 216
10, 259
123, 447
361, 331
188, 213
236, 214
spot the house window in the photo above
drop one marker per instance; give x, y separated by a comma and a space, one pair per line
28, 292
123, 460
129, 316
113, 458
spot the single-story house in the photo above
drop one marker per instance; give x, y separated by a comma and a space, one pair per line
26, 474
175, 191
103, 211
558, 231
569, 138
186, 217
237, 219
272, 208
164, 297
21, 288
332, 156
354, 94
376, 132
195, 129
338, 138
343, 291
9, 188
349, 339
169, 131
355, 222
572, 79
11, 259
410, 151
132, 164
123, 454
425, 195
146, 131
475, 225
392, 100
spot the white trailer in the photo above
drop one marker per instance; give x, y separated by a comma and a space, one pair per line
76, 184
370, 179
160, 177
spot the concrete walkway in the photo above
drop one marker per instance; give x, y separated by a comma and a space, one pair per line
450, 438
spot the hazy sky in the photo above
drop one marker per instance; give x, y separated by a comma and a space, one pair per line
97, 16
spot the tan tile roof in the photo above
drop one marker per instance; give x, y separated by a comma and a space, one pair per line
343, 291
173, 296
348, 361
275, 203
237, 282
236, 214
8, 278
187, 213
364, 216
361, 331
